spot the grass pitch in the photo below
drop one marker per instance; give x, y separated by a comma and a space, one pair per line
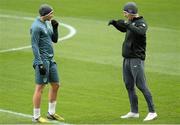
92, 90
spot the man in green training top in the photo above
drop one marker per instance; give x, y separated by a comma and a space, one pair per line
44, 31
134, 53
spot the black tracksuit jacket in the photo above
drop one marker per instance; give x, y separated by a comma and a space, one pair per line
134, 45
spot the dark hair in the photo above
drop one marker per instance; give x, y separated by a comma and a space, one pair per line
45, 9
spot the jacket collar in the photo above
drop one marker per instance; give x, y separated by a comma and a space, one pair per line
137, 18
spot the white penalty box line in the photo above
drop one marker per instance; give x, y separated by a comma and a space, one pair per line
72, 32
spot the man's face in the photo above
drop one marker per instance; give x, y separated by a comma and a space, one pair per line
126, 14
49, 16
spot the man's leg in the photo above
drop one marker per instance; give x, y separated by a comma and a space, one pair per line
37, 100
129, 83
54, 80
142, 86
52, 103
41, 81
53, 97
138, 72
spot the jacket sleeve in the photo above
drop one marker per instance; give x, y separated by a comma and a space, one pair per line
35, 36
140, 28
54, 36
119, 26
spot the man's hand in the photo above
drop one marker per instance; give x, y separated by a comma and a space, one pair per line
42, 69
54, 24
111, 22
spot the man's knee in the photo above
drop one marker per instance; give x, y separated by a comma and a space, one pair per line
129, 86
39, 88
143, 88
55, 86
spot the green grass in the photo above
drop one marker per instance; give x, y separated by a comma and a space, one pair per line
92, 88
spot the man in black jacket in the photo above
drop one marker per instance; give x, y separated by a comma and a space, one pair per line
134, 53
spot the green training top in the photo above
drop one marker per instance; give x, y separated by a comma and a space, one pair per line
41, 40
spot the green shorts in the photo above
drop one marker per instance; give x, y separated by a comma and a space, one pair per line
51, 75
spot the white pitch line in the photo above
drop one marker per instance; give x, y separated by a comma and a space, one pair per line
15, 49
29, 116
72, 32
16, 113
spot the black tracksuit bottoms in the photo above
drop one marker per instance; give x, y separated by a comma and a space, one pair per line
133, 74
